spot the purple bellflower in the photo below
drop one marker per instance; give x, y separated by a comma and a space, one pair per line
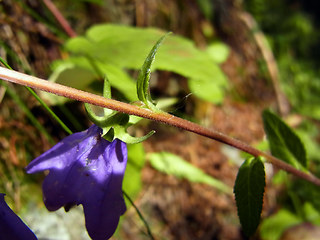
11, 226
86, 169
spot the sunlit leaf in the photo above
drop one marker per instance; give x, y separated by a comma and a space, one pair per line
79, 73
206, 90
218, 51
126, 48
174, 165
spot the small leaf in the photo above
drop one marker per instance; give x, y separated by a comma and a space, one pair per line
249, 190
144, 75
173, 165
284, 142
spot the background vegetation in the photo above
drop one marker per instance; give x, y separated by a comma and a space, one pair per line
237, 59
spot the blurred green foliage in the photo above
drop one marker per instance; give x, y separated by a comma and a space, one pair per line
114, 49
293, 34
294, 37
118, 51
272, 228
172, 164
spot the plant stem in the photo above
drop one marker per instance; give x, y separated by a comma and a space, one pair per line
140, 215
34, 82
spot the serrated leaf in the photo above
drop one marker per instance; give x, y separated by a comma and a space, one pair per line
174, 165
283, 141
144, 75
249, 190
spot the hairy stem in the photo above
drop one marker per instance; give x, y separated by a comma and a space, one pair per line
34, 82
140, 215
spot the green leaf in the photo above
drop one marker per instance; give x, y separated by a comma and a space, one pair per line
249, 190
218, 51
77, 72
173, 165
120, 80
307, 192
71, 75
273, 227
126, 47
284, 142
311, 214
143, 80
206, 90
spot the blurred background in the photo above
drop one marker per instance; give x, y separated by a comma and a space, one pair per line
225, 62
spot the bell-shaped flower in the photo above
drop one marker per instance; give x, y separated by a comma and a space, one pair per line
11, 226
86, 169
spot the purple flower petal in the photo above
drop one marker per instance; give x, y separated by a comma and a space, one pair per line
86, 169
11, 226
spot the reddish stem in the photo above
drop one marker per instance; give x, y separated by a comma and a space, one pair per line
34, 82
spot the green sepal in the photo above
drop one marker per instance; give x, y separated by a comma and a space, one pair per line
248, 191
117, 120
143, 80
114, 124
117, 125
107, 113
98, 120
121, 134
